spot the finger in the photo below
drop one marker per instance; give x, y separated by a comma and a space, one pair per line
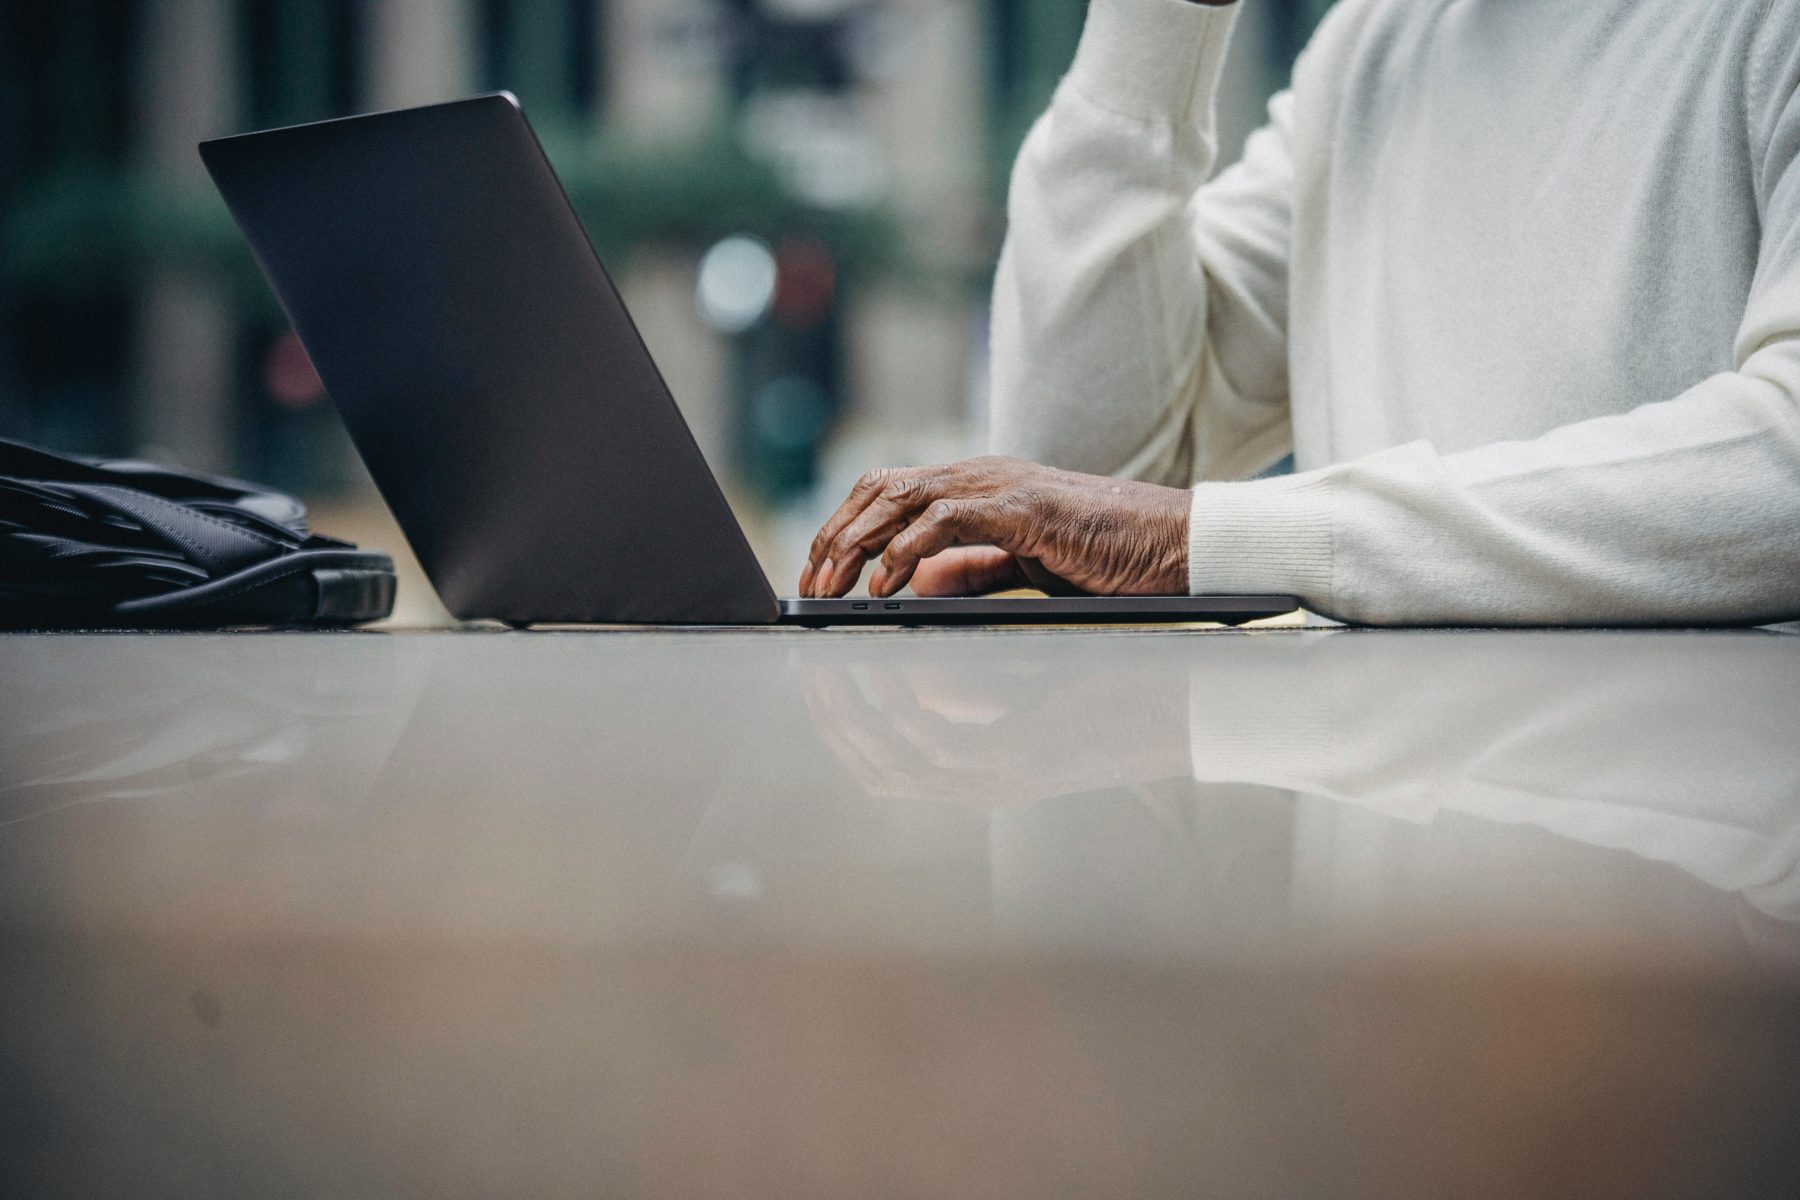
943, 524
861, 496
966, 571
899, 504
866, 489
907, 490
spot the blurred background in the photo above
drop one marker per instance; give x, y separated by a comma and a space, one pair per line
802, 201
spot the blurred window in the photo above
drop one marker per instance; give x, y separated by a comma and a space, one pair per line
302, 60
67, 85
547, 52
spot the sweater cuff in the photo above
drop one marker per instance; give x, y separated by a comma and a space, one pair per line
1269, 535
1153, 59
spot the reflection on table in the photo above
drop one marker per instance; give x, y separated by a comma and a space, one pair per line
908, 913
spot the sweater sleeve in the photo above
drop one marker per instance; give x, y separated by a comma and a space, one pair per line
1122, 275
1682, 510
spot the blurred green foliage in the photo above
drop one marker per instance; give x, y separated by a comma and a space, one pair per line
85, 230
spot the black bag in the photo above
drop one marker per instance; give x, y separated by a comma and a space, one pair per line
88, 543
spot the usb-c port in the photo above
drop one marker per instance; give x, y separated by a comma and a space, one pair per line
890, 606
860, 607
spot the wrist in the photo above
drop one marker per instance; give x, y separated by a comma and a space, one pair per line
1269, 535
1154, 60
1173, 541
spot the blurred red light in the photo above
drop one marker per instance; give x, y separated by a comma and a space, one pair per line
288, 374
805, 282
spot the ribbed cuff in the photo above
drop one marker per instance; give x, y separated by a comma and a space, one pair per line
1153, 58
1269, 535
1294, 713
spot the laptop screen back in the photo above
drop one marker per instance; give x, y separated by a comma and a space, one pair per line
487, 369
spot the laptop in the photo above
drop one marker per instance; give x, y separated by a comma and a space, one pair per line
502, 399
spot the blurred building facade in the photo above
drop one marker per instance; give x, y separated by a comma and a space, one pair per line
802, 200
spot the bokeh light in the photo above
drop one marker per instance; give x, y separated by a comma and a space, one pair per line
736, 285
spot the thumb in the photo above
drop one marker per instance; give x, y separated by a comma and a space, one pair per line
968, 571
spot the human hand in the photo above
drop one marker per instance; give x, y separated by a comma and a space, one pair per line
1038, 526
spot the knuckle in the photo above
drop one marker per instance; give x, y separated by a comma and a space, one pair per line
918, 534
1009, 511
943, 512
1023, 501
873, 480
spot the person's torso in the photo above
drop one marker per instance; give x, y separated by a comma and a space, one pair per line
1516, 214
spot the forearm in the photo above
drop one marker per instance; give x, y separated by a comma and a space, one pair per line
1685, 511
1100, 303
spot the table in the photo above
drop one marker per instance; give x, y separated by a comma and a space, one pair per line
1291, 913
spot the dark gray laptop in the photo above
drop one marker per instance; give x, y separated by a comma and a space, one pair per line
502, 398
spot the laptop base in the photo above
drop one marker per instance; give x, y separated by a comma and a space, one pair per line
1047, 610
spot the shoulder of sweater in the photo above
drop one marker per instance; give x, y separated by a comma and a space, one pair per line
1354, 33
1350, 25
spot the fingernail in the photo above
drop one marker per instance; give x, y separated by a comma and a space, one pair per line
878, 582
825, 572
806, 574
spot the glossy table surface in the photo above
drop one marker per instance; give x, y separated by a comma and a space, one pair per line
901, 913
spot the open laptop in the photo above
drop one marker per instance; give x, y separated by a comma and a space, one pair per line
502, 399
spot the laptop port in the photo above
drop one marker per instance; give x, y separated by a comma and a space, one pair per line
860, 607
890, 606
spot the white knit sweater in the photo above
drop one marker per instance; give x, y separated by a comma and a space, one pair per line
1517, 280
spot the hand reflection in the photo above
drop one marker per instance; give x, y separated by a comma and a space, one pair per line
981, 734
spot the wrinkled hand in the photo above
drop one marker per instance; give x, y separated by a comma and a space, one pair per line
1037, 526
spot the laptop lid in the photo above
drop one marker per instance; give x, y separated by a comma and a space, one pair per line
487, 369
